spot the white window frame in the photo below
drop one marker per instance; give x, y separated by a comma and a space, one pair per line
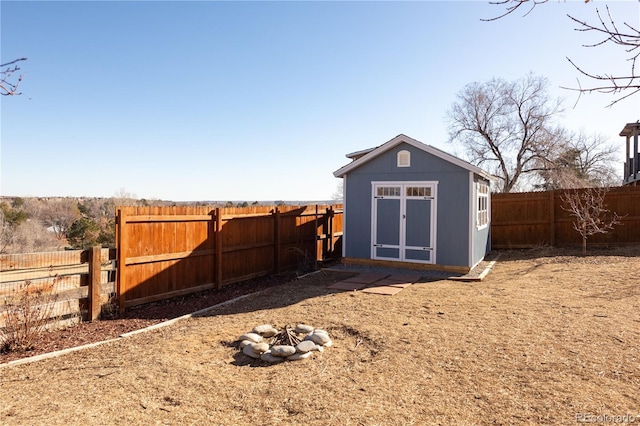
482, 205
403, 197
404, 158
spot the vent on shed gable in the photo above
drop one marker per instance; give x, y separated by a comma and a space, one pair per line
404, 158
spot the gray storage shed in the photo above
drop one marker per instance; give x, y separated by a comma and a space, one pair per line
409, 202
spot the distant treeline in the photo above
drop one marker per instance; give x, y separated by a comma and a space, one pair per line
35, 224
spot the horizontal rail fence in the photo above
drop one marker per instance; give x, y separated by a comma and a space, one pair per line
81, 282
524, 220
165, 252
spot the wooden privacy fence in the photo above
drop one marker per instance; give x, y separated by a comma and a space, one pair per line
81, 281
523, 220
165, 252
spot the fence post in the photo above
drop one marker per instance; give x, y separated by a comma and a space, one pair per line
95, 270
218, 248
315, 243
330, 212
276, 239
552, 218
122, 242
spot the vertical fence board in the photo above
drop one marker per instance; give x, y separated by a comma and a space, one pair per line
520, 220
122, 245
168, 251
276, 238
218, 248
94, 283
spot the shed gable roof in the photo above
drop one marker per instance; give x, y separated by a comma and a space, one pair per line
361, 157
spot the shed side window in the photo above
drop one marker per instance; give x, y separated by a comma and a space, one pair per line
482, 217
404, 158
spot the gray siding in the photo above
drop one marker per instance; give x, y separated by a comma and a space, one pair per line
452, 244
357, 208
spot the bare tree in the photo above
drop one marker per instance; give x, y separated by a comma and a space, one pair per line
338, 194
24, 236
623, 35
122, 197
581, 161
8, 82
591, 215
10, 219
59, 215
7, 231
595, 159
506, 127
31, 236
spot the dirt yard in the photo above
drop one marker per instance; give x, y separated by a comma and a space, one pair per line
546, 338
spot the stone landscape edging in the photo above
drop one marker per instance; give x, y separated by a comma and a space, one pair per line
481, 276
163, 324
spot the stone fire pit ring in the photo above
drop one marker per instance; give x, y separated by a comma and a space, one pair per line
267, 343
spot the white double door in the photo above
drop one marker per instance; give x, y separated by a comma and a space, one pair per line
404, 221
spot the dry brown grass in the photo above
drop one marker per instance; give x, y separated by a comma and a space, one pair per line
544, 337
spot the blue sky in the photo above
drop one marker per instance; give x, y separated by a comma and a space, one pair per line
191, 101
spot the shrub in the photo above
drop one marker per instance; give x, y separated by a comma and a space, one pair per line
591, 215
25, 315
83, 233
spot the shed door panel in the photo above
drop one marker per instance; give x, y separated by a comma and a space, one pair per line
404, 221
418, 242
387, 231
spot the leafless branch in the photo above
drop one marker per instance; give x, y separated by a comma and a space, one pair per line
614, 86
624, 35
516, 4
8, 88
611, 32
629, 39
13, 62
